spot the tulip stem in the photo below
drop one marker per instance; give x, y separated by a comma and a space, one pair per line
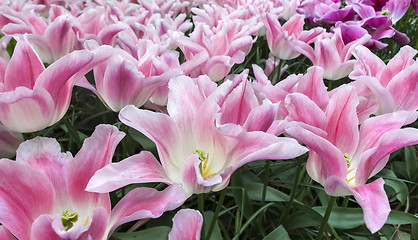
266, 179
201, 204
325, 218
216, 214
293, 192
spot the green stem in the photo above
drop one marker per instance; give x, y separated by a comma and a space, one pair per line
325, 218
216, 214
293, 192
201, 204
345, 203
252, 218
266, 179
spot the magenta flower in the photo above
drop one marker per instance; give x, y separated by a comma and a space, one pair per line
342, 158
44, 196
29, 91
193, 152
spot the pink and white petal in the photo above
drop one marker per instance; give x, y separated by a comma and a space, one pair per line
139, 168
192, 180
405, 97
342, 127
218, 67
44, 155
184, 99
42, 229
109, 32
367, 63
141, 203
262, 117
97, 222
302, 109
252, 146
373, 128
238, 104
371, 198
312, 85
5, 234
158, 127
382, 95
328, 160
60, 36
25, 194
21, 104
374, 159
59, 78
374, 202
24, 67
403, 59
190, 218
97, 151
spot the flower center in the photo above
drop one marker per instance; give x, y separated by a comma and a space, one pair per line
351, 173
385, 13
204, 160
68, 219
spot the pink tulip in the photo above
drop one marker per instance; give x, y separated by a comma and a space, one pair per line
379, 83
29, 91
44, 196
282, 38
194, 153
332, 54
190, 218
344, 158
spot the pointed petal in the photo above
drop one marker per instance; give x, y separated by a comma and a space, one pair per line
42, 229
24, 67
382, 95
44, 155
405, 97
342, 127
97, 151
367, 63
325, 159
403, 59
158, 127
24, 195
190, 218
374, 159
139, 168
302, 109
371, 197
141, 203
312, 85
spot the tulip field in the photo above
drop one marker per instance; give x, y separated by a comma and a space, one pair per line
208, 119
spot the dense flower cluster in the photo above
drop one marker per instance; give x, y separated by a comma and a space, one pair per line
166, 67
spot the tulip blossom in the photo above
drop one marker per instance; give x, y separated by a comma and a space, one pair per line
332, 54
43, 193
345, 157
194, 153
29, 91
281, 39
379, 83
190, 218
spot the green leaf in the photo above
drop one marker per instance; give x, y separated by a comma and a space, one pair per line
278, 233
155, 233
216, 232
392, 181
411, 162
145, 142
255, 191
398, 217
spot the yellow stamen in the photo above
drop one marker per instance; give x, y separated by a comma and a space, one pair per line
86, 222
68, 219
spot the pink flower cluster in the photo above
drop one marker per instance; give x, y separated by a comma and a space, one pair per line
205, 121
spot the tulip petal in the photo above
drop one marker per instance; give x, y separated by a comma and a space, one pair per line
21, 104
25, 194
5, 234
139, 168
141, 203
324, 159
190, 218
24, 67
97, 151
405, 97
